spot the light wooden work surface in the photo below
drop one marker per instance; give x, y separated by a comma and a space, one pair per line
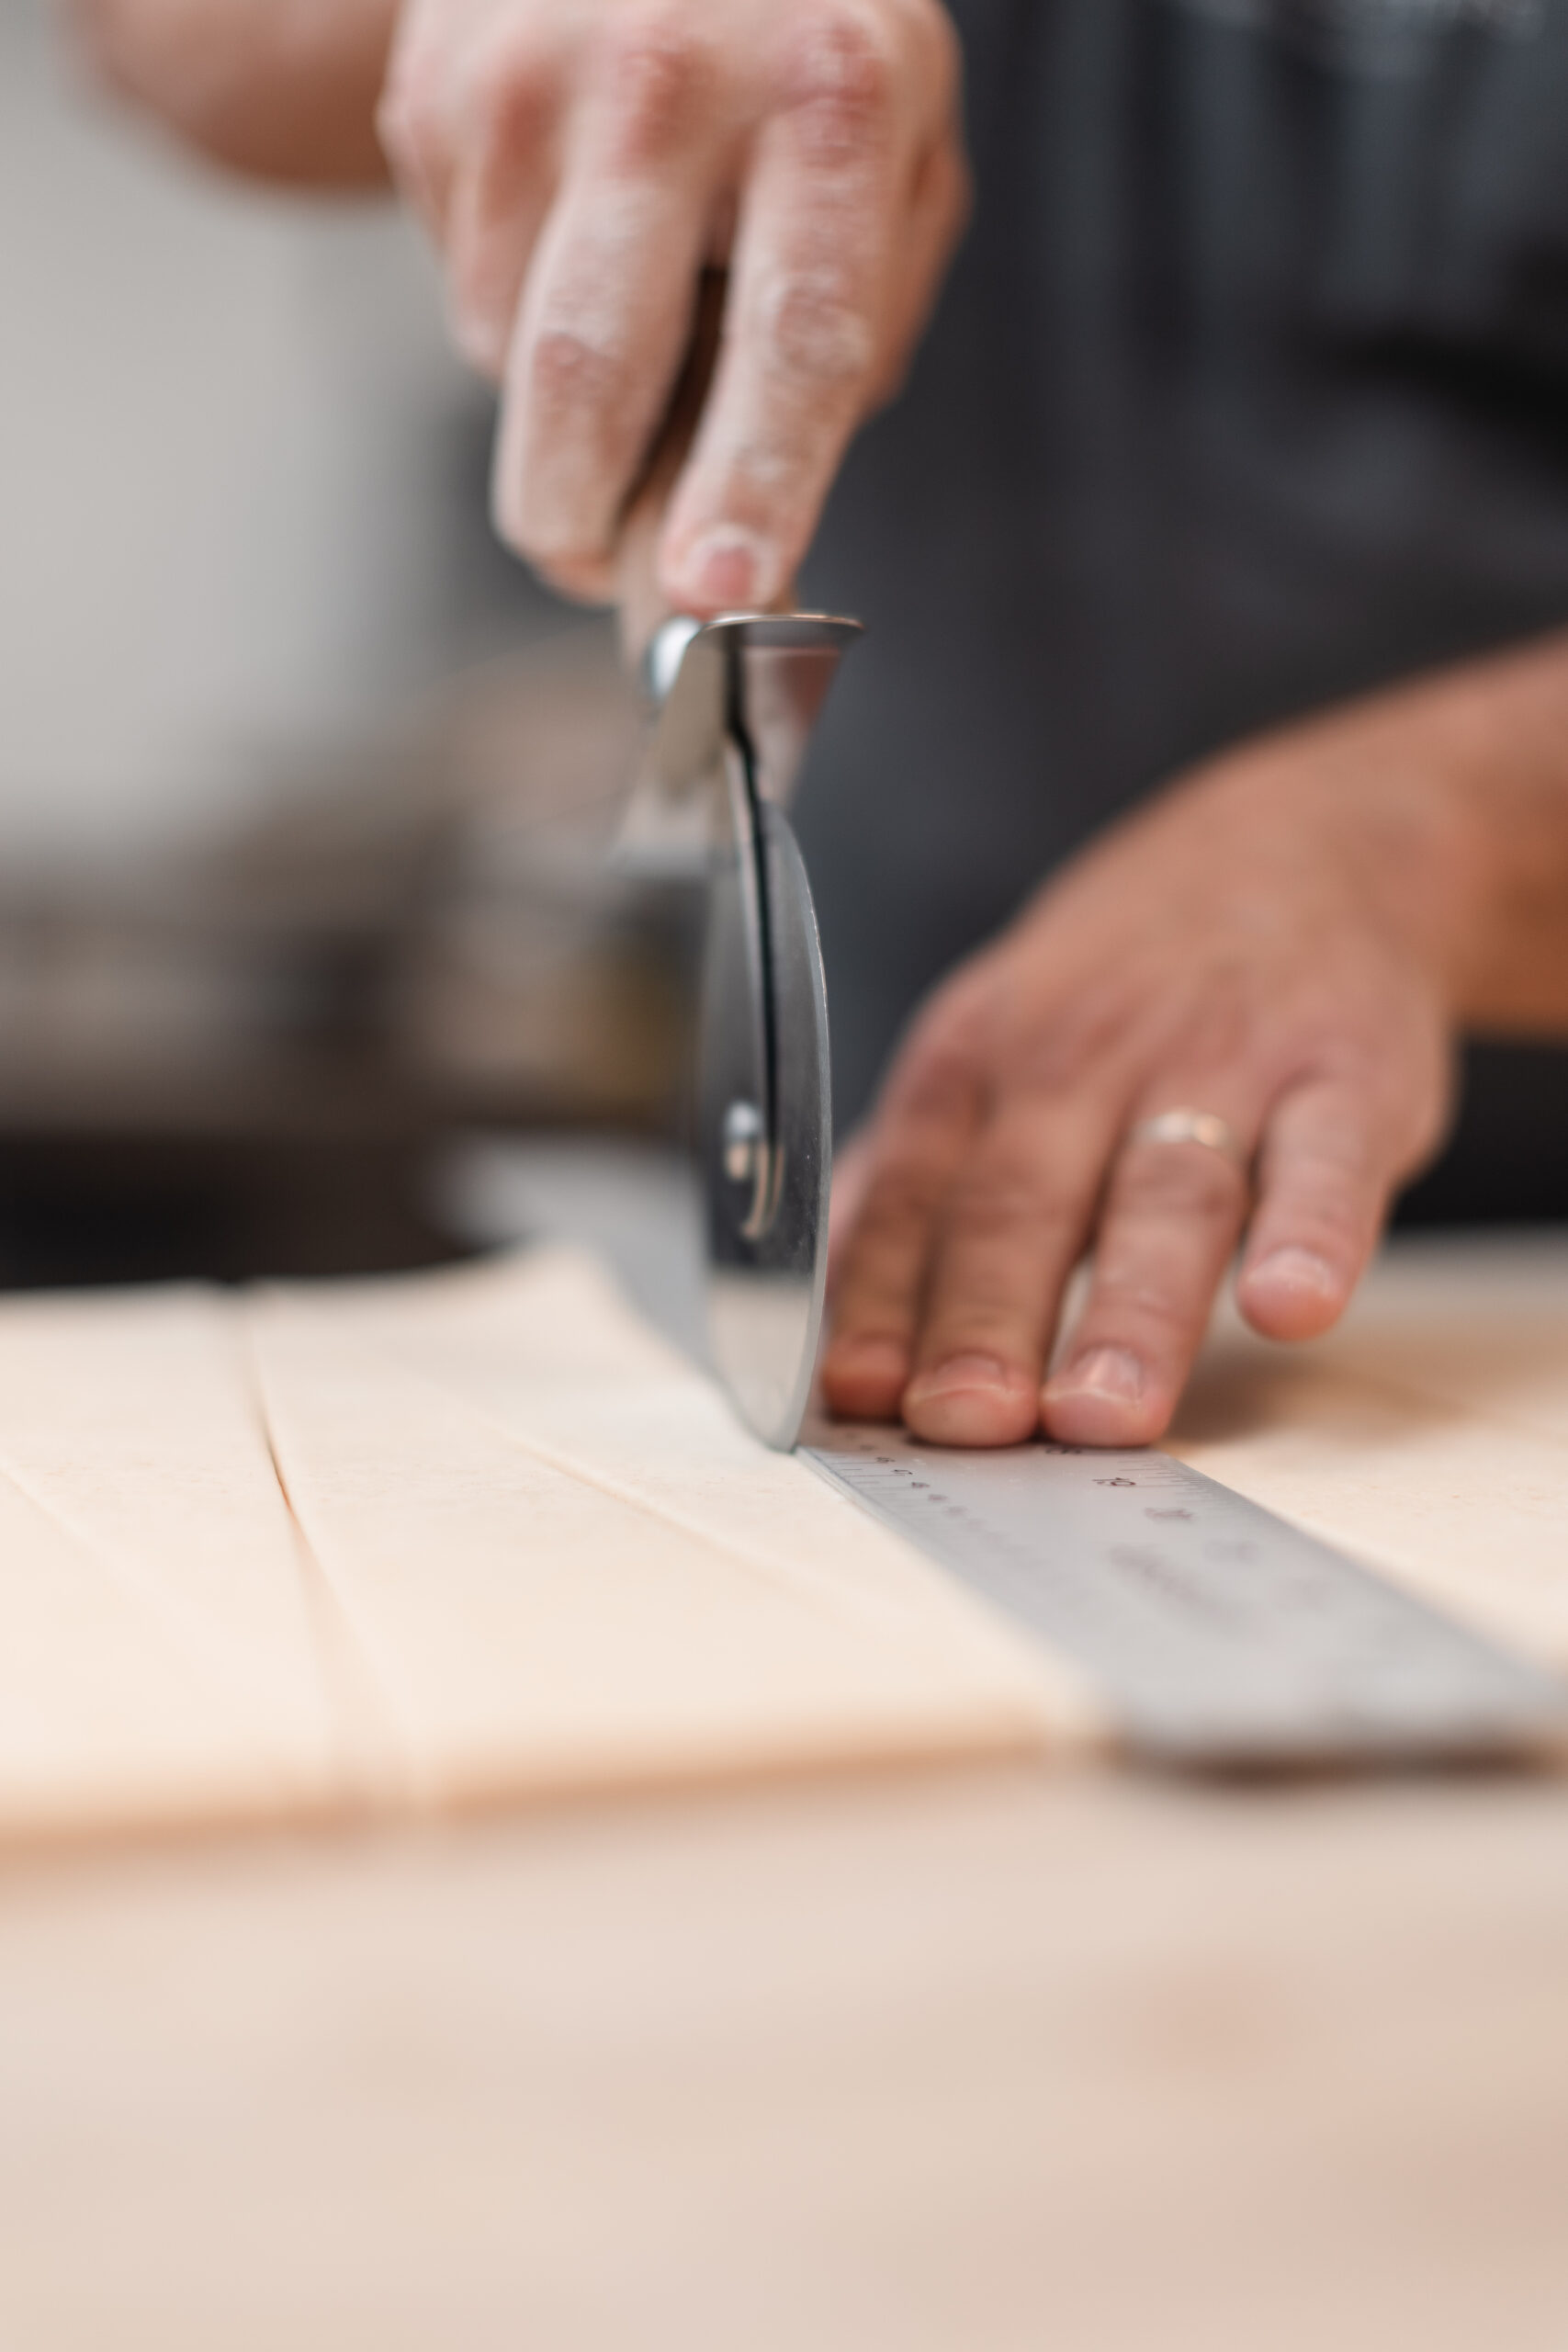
968, 2058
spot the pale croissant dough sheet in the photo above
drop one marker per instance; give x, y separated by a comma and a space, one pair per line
564, 1563
157, 1650
524, 1547
528, 1548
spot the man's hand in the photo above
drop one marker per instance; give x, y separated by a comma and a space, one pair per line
1287, 941
579, 163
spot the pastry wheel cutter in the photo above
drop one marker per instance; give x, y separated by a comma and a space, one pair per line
734, 702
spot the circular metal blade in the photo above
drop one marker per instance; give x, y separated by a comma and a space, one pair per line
767, 1242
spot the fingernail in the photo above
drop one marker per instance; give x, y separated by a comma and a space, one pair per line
1298, 1270
962, 1375
728, 568
1104, 1371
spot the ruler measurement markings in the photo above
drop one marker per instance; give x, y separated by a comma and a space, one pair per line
1213, 1628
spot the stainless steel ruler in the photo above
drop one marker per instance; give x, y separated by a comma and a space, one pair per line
1217, 1634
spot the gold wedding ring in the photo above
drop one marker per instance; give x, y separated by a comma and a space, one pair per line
1184, 1126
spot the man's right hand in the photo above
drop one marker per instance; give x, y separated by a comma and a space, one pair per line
582, 162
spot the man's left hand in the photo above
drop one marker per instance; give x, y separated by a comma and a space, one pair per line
1271, 944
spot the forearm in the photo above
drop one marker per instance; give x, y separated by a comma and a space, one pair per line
1446, 800
281, 89
1508, 721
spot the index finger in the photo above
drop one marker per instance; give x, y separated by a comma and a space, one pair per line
908, 1164
609, 302
811, 306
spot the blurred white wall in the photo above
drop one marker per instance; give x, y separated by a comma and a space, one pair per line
241, 512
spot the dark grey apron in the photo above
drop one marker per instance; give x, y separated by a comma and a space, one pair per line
1249, 390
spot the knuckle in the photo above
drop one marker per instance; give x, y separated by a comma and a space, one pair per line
958, 1025
1332, 1167
1334, 1202
815, 327
902, 1202
571, 390
660, 74
515, 96
1075, 1040
988, 1322
569, 371
843, 85
1185, 1180
937, 1080
1130, 1299
996, 1202
1218, 1031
